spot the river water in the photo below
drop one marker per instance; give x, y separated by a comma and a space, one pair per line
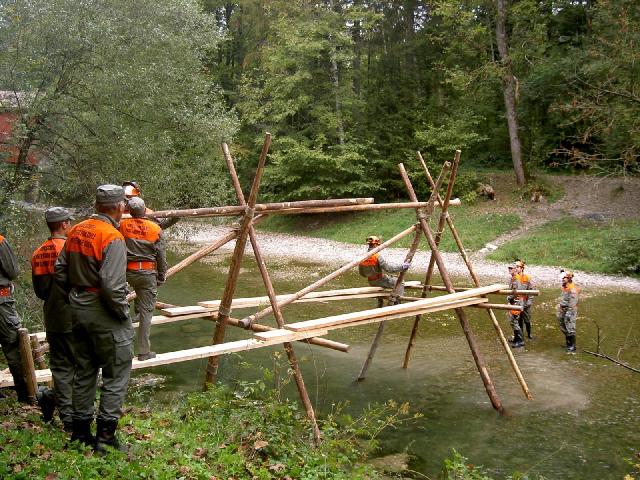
582, 423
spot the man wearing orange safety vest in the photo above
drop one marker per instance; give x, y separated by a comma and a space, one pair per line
57, 319
375, 267
92, 268
524, 282
514, 315
132, 190
146, 268
567, 312
9, 319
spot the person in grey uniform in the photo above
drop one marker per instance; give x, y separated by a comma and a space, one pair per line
567, 311
92, 268
9, 319
146, 268
514, 315
57, 318
376, 267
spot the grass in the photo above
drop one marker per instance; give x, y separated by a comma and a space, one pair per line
475, 226
217, 434
575, 244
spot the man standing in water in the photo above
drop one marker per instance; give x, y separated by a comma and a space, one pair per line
514, 315
92, 268
568, 311
376, 266
523, 282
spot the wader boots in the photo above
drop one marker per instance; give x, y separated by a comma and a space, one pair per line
82, 433
47, 403
571, 343
106, 437
517, 340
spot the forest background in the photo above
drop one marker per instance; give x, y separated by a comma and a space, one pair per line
146, 90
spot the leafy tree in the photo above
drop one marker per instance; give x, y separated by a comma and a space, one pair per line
113, 90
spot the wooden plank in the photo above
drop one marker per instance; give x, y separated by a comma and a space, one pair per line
255, 301
6, 380
377, 312
274, 334
440, 288
176, 311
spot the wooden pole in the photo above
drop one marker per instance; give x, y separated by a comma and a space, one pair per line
399, 281
444, 205
236, 210
288, 347
462, 317
355, 208
295, 296
234, 269
28, 367
531, 293
467, 261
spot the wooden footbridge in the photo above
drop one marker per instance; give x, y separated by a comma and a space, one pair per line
311, 331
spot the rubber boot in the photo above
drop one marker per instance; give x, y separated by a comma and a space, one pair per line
517, 340
106, 437
82, 433
571, 347
529, 336
20, 386
47, 403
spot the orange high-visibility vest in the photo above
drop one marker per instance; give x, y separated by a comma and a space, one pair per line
44, 258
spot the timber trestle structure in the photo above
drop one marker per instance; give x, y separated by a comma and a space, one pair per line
250, 213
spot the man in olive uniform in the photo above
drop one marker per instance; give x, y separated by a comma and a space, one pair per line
376, 266
568, 310
9, 319
146, 268
57, 318
524, 282
92, 269
514, 315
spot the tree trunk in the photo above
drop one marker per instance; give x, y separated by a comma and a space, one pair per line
509, 92
335, 79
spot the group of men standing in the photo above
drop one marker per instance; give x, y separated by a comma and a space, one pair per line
376, 269
520, 319
81, 273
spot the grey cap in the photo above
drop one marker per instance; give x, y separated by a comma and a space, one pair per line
57, 214
136, 207
109, 194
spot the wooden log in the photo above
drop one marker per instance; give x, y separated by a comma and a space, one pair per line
355, 208
234, 267
496, 306
345, 293
263, 313
259, 207
393, 309
476, 281
439, 288
329, 324
428, 210
266, 279
468, 332
28, 367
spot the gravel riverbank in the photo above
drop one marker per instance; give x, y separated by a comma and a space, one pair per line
301, 248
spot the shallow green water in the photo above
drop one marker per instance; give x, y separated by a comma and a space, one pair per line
582, 423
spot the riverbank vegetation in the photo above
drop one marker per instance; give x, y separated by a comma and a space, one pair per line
220, 434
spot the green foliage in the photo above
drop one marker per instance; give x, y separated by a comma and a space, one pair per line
607, 247
457, 467
111, 91
220, 433
308, 173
